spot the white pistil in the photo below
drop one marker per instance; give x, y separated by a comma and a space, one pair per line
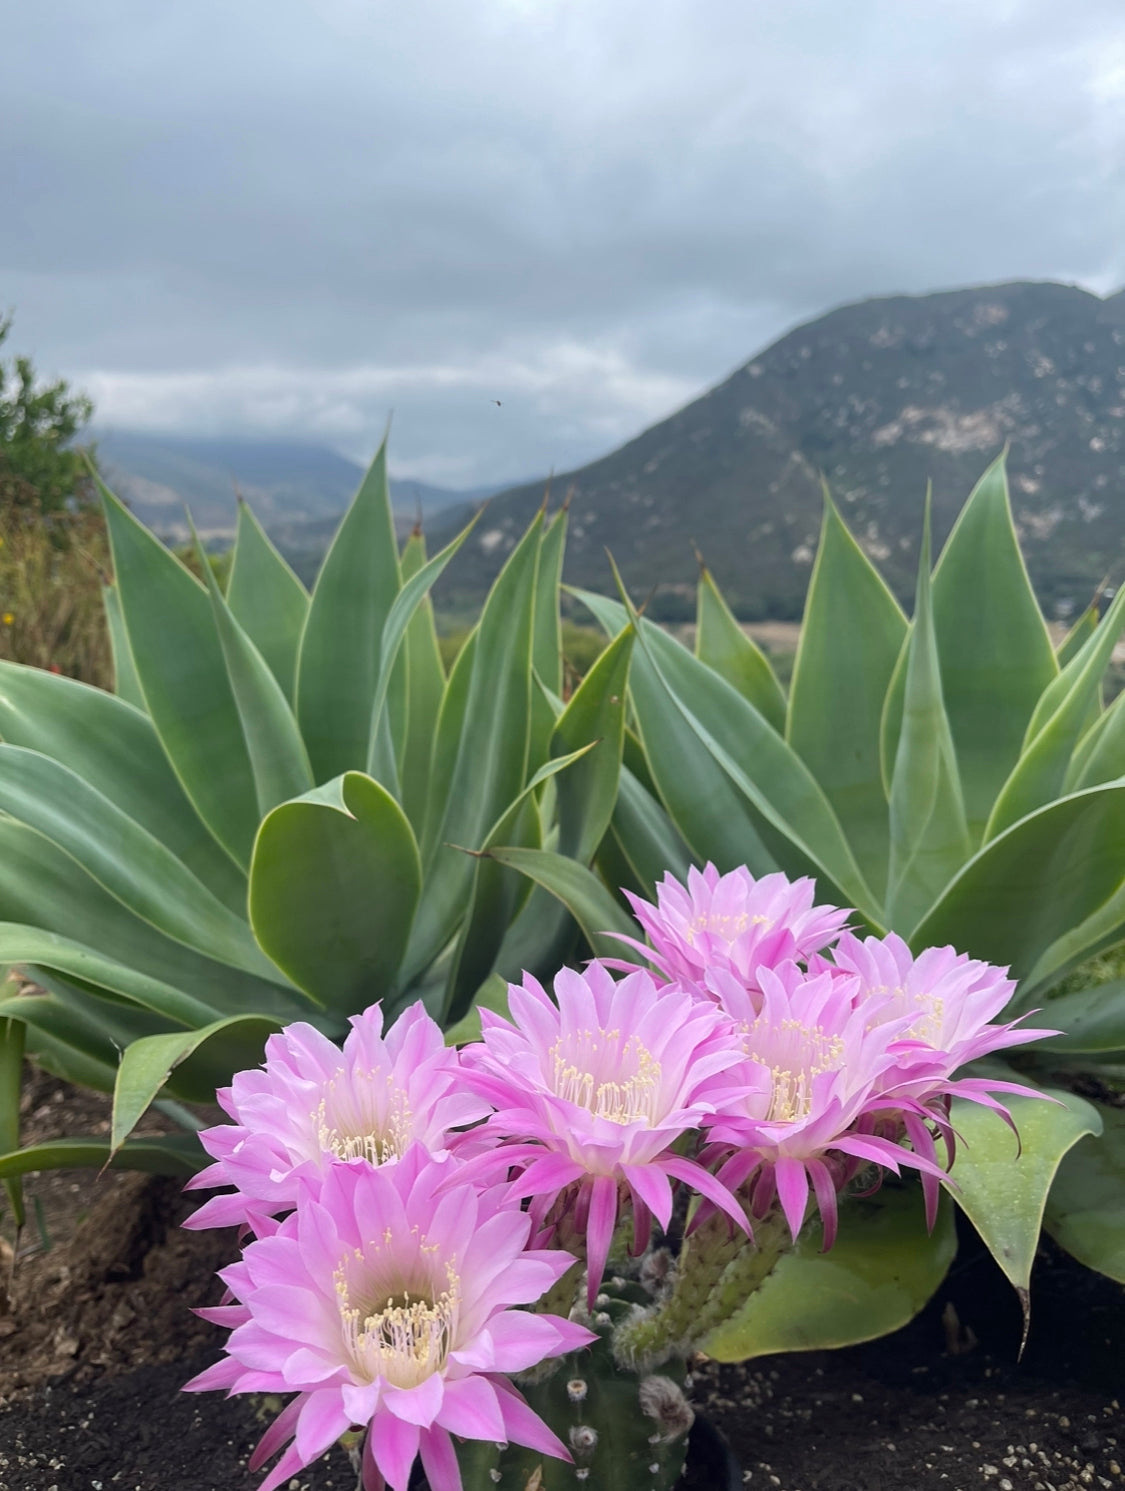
634, 1098
403, 1338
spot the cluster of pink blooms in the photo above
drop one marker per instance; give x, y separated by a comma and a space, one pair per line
407, 1200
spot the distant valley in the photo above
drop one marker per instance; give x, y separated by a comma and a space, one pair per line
876, 398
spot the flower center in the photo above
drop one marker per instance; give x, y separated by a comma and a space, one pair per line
363, 1115
403, 1336
717, 924
611, 1079
796, 1053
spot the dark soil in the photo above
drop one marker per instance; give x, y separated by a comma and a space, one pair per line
101, 1337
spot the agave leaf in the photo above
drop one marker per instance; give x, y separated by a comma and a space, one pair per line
646, 836
13, 1034
1001, 1183
23, 945
334, 886
851, 638
425, 686
580, 891
490, 765
1056, 727
881, 1271
116, 750
791, 813
929, 837
123, 857
338, 662
165, 1154
399, 617
1085, 1211
1034, 883
126, 684
447, 743
1090, 1020
267, 600
208, 1058
179, 662
546, 646
492, 995
99, 1029
277, 753
1079, 634
995, 650
596, 713
722, 644
1100, 755
69, 1065
43, 886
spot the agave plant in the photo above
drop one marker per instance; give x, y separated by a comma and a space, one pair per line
268, 820
957, 780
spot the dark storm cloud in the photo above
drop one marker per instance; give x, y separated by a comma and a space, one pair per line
292, 216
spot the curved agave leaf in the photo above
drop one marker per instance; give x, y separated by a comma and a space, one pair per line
993, 645
645, 836
267, 599
851, 638
792, 815
334, 885
165, 1154
1035, 883
580, 891
338, 662
123, 857
179, 662
722, 644
116, 750
425, 686
206, 1059
929, 839
881, 1271
1085, 1211
277, 753
126, 684
13, 1042
1001, 1183
1091, 1021
546, 644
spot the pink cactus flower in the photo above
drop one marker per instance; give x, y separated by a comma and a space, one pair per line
385, 1301
593, 1091
313, 1103
732, 922
815, 1070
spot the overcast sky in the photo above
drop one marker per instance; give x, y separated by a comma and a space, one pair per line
287, 217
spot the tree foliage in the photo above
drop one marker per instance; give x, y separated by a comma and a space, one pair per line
40, 469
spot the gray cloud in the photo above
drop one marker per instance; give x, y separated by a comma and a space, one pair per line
291, 215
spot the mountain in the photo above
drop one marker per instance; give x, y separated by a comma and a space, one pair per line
298, 490
877, 397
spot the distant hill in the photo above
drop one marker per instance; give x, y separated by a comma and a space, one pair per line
879, 397
297, 490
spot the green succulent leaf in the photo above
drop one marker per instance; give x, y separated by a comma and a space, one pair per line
13, 1040
338, 663
928, 832
165, 1154
123, 857
595, 714
277, 753
1079, 634
546, 645
179, 661
995, 652
1035, 884
492, 995
881, 1271
483, 745
1001, 1183
791, 813
580, 891
425, 686
115, 749
722, 644
1060, 719
852, 636
32, 947
42, 885
334, 885
1089, 1021
126, 684
207, 1059
267, 600
1086, 1208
